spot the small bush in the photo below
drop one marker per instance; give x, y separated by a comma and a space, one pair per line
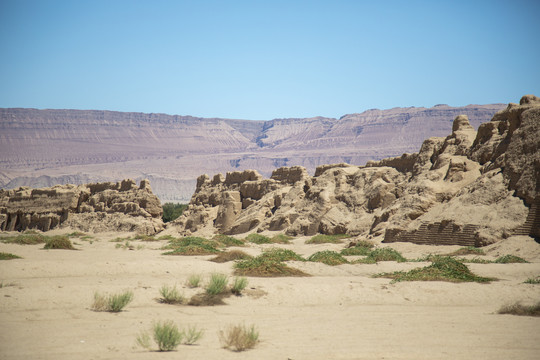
239, 284
521, 310
386, 254
172, 211
144, 237
535, 280
76, 234
8, 256
469, 250
281, 239
258, 239
171, 295
28, 238
277, 254
59, 242
217, 284
192, 335
239, 337
361, 247
166, 237
328, 257
167, 336
231, 256
443, 268
509, 259
324, 239
261, 266
227, 241
191, 245
194, 280
112, 303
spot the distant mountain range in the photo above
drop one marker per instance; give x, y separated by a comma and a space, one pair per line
46, 147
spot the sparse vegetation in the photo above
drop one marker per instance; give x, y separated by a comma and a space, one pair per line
443, 268
112, 303
3, 284
58, 242
191, 245
521, 310
167, 336
277, 254
171, 295
217, 284
27, 238
469, 250
262, 266
258, 239
77, 234
226, 241
328, 257
535, 280
239, 337
509, 259
281, 239
323, 239
239, 284
192, 335
144, 237
172, 211
166, 237
125, 246
381, 254
8, 256
361, 247
227, 256
194, 280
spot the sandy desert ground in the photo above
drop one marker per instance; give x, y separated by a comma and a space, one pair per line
339, 312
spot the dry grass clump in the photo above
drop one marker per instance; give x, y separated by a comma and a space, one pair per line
521, 310
264, 266
58, 242
171, 295
144, 237
8, 256
239, 337
217, 284
443, 268
509, 259
232, 255
238, 285
469, 250
111, 303
324, 239
194, 280
328, 257
191, 245
168, 337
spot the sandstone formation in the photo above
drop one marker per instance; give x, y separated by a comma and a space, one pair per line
96, 207
42, 148
469, 188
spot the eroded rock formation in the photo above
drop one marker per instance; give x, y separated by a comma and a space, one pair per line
470, 188
108, 206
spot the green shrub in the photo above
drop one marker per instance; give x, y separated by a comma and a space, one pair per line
8, 256
227, 256
112, 303
194, 280
239, 337
167, 336
192, 335
522, 310
509, 259
469, 250
535, 280
239, 284
261, 266
226, 241
362, 247
281, 239
172, 211
171, 295
59, 242
144, 237
443, 268
191, 245
328, 257
258, 239
324, 239
28, 238
277, 254
217, 284
385, 254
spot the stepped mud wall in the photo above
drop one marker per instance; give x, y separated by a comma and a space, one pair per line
94, 207
469, 188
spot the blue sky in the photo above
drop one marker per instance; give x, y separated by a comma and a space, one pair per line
266, 59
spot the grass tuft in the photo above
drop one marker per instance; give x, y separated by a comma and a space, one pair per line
325, 239
443, 268
328, 257
258, 239
281, 239
277, 254
112, 303
167, 336
77, 234
521, 310
171, 295
262, 266
239, 337
217, 284
192, 335
239, 284
58, 242
194, 280
8, 256
227, 256
191, 245
28, 238
144, 237
227, 241
361, 247
535, 280
510, 259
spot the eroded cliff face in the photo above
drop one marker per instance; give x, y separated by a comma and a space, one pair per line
97, 207
470, 188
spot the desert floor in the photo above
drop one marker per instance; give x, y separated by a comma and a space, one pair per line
339, 312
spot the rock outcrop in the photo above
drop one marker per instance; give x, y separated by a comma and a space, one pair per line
469, 188
96, 207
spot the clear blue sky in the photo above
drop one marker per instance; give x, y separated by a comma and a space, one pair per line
266, 59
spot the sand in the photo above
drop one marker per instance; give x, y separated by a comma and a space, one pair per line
340, 312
